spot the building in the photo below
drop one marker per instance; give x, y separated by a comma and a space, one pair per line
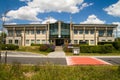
59, 33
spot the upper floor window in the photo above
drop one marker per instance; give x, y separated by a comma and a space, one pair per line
75, 32
38, 31
91, 31
109, 33
27, 31
10, 32
43, 31
86, 31
32, 31
80, 31
101, 32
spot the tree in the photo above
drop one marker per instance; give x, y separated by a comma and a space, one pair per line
2, 37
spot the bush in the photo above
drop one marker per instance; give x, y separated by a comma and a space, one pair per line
116, 45
102, 43
35, 44
47, 47
9, 47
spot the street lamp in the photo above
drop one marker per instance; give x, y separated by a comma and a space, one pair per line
6, 55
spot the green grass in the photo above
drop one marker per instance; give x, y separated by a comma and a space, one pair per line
93, 54
55, 72
33, 49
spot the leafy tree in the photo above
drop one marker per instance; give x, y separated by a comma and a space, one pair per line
2, 37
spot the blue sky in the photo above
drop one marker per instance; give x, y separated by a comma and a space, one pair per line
40, 11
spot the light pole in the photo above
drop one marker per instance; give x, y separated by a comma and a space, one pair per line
6, 55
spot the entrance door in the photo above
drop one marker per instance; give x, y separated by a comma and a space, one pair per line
59, 42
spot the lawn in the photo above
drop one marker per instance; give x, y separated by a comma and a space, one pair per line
57, 72
33, 49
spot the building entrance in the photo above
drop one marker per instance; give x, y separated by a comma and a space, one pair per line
59, 42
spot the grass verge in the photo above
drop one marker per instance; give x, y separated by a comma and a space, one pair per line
55, 72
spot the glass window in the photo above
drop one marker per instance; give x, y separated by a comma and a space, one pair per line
109, 33
27, 31
86, 31
10, 32
32, 41
38, 31
92, 42
16, 41
91, 31
80, 31
27, 41
43, 31
10, 41
75, 41
101, 32
103, 40
75, 31
43, 41
38, 41
32, 31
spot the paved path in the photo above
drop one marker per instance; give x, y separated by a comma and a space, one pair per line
57, 53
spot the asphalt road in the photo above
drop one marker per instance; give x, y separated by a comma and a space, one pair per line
112, 60
35, 60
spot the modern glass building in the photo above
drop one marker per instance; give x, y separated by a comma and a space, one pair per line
59, 33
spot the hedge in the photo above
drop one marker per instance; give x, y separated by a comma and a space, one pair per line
107, 48
35, 44
8, 47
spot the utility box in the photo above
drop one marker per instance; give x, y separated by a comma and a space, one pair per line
76, 50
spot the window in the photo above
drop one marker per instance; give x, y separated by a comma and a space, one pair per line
101, 33
75, 31
10, 33
87, 41
38, 31
103, 40
16, 41
27, 41
43, 41
92, 42
109, 33
10, 41
32, 41
80, 31
75, 41
43, 31
91, 31
86, 31
109, 40
38, 41
18, 32
27, 31
32, 31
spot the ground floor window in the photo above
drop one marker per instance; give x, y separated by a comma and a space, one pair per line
92, 42
16, 41
43, 41
38, 41
27, 41
32, 41
10, 41
75, 41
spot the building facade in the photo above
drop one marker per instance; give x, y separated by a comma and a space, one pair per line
59, 33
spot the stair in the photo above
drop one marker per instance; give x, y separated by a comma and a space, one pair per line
58, 48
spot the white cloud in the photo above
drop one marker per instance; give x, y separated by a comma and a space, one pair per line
34, 7
92, 19
118, 29
113, 9
50, 19
84, 5
10, 23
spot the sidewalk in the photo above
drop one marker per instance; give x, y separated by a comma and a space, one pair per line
57, 53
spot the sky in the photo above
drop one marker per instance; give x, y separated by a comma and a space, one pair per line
77, 11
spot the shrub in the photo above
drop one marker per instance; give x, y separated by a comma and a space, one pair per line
116, 45
47, 47
102, 43
35, 44
9, 47
107, 48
